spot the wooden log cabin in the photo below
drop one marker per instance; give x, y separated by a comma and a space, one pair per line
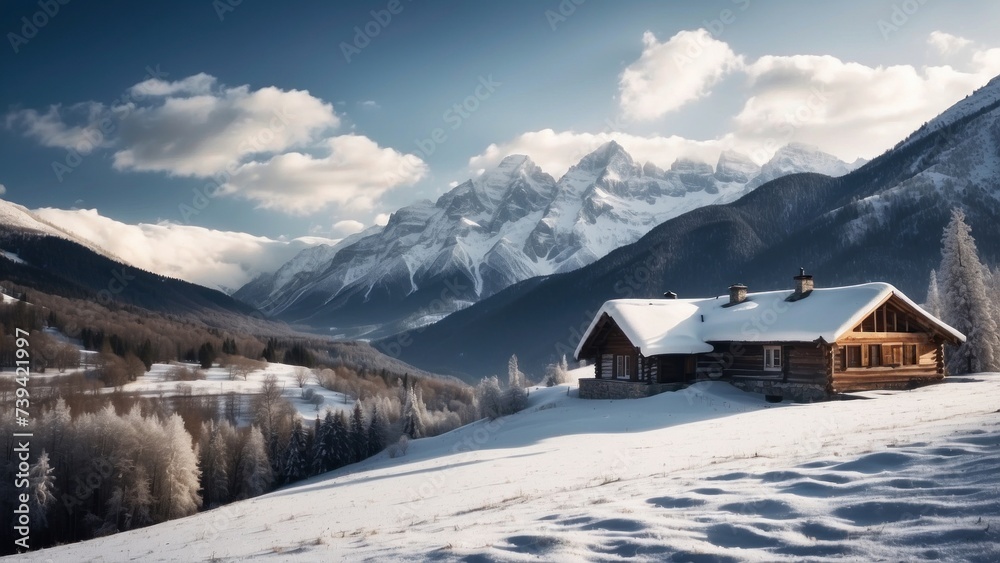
804, 344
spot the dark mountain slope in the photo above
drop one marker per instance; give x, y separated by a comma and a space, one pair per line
62, 267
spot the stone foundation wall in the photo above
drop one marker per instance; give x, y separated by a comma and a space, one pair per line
798, 392
614, 389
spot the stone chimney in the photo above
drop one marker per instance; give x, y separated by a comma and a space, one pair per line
669, 295
737, 293
803, 285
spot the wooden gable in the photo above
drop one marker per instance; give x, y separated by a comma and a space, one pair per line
894, 345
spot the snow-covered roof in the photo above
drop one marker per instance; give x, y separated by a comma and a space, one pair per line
686, 326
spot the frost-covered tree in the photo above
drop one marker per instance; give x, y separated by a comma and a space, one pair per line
515, 378
41, 483
933, 302
214, 461
178, 487
965, 303
342, 452
412, 420
489, 398
254, 468
558, 373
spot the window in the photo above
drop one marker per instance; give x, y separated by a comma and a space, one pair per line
910, 355
852, 356
874, 355
623, 367
772, 358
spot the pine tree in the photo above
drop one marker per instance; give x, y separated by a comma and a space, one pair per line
295, 466
359, 433
378, 429
206, 355
322, 452
341, 450
965, 303
933, 302
146, 354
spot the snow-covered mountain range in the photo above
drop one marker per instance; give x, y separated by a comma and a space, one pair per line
512, 223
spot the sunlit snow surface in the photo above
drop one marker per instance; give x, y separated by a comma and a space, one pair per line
706, 474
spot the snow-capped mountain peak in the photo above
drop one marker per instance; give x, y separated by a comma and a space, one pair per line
510, 223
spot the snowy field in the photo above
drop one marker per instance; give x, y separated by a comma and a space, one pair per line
155, 383
706, 474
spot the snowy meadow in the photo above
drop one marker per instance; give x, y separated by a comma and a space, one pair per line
709, 473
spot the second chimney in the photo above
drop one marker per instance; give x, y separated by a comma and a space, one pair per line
803, 284
737, 293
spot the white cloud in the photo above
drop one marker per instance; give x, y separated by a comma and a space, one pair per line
348, 227
3, 189
946, 43
848, 109
217, 259
354, 174
668, 75
201, 133
555, 151
382, 219
200, 83
369, 104
276, 147
78, 127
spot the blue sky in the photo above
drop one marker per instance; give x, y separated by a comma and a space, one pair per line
184, 86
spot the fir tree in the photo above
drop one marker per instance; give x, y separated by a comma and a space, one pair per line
359, 433
295, 466
322, 452
378, 429
965, 301
341, 451
933, 302
206, 355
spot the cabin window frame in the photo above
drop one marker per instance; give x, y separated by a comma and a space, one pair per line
875, 355
623, 366
769, 359
852, 351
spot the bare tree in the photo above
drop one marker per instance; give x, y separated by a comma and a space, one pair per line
302, 376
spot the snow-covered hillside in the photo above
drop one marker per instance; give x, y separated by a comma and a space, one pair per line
705, 474
18, 218
511, 223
